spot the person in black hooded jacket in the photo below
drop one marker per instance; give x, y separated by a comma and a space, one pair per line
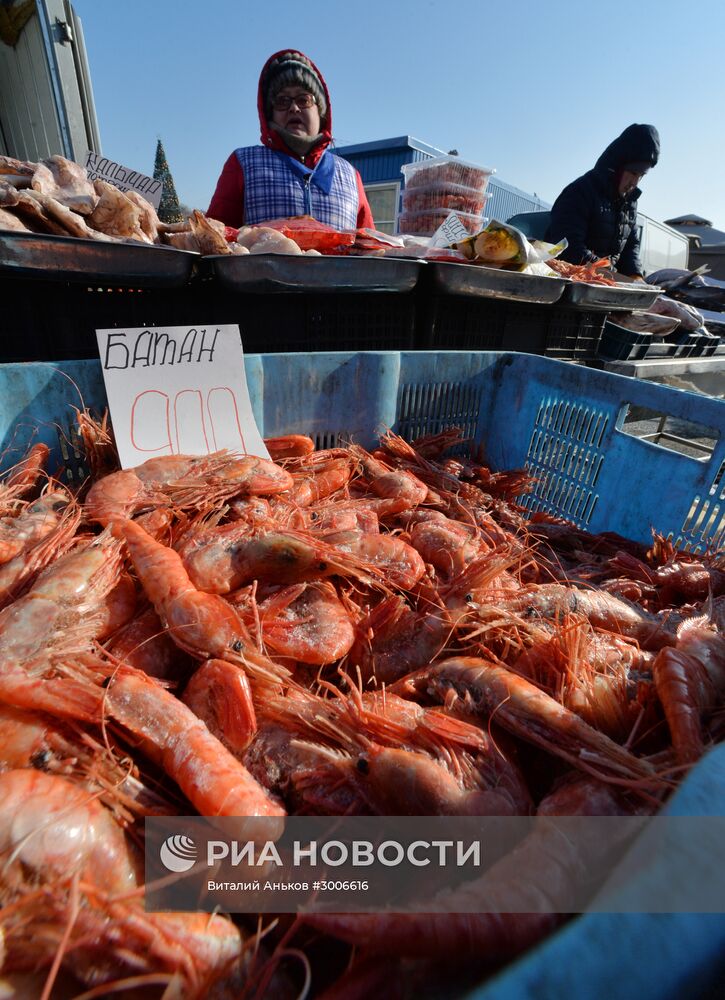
597, 212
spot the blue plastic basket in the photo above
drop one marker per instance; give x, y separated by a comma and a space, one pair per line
634, 956
563, 422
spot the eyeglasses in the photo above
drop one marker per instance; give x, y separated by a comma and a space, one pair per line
303, 101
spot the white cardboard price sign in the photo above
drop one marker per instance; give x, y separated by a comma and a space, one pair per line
123, 178
449, 232
177, 390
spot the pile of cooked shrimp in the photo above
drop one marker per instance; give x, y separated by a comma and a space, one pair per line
332, 632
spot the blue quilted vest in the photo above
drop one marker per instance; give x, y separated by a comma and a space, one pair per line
276, 186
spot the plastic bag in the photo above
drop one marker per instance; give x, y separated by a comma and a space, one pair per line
504, 246
644, 322
688, 316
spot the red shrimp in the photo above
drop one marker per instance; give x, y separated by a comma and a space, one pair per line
225, 558
35, 740
486, 582
321, 482
48, 544
33, 523
117, 608
144, 645
289, 446
50, 824
99, 445
23, 478
397, 562
543, 870
43, 633
552, 601
220, 695
183, 481
398, 776
204, 625
346, 515
302, 773
690, 682
387, 483
466, 749
604, 679
254, 510
214, 781
522, 709
393, 639
89, 915
307, 622
444, 543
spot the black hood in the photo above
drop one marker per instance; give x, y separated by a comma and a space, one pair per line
637, 144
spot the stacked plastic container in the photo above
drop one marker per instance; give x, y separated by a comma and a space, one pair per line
436, 187
621, 344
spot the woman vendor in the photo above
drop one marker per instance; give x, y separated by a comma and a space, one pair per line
597, 213
293, 172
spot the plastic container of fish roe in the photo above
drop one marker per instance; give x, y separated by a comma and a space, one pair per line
452, 197
446, 170
427, 222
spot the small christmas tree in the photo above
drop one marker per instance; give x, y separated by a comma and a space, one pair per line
169, 210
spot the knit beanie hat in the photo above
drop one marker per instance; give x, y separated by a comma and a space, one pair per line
289, 70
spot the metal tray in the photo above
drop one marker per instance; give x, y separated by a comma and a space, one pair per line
68, 258
610, 297
291, 273
490, 282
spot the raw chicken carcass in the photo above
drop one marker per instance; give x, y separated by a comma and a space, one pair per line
208, 236
17, 172
12, 222
115, 214
174, 227
259, 239
8, 194
34, 216
182, 241
148, 219
72, 224
67, 182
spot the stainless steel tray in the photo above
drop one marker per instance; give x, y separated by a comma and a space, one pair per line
490, 282
291, 273
68, 258
610, 297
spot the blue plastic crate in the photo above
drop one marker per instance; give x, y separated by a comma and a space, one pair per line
633, 956
563, 422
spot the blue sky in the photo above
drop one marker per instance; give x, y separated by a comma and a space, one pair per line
534, 89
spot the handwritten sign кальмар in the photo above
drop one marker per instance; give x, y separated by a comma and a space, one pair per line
123, 178
177, 391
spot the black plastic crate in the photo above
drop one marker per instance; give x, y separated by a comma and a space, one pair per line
663, 349
574, 334
709, 342
278, 322
453, 322
685, 343
57, 320
620, 344
459, 323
